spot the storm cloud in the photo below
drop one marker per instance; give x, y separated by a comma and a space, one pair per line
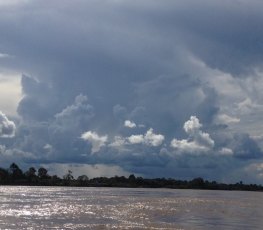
114, 83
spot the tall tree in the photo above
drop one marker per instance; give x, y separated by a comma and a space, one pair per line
15, 172
68, 176
42, 173
31, 172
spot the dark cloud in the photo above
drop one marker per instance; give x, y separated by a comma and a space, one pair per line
40, 101
90, 66
245, 147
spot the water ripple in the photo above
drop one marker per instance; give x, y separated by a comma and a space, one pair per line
112, 208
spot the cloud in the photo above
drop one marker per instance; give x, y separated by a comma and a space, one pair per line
192, 126
246, 106
226, 151
153, 139
15, 155
253, 172
2, 55
199, 142
188, 146
118, 142
147, 62
244, 147
48, 148
80, 106
149, 138
39, 101
7, 127
129, 124
226, 119
76, 115
136, 139
10, 92
96, 141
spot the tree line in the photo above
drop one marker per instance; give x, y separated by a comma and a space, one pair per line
32, 177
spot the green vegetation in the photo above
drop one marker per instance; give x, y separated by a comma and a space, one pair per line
15, 176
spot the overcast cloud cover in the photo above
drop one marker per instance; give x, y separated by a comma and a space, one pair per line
154, 88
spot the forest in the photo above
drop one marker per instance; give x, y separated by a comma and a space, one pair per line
32, 177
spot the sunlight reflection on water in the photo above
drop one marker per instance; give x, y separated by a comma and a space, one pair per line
115, 208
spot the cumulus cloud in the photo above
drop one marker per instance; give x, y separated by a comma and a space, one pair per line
198, 141
96, 141
118, 142
129, 124
188, 146
136, 139
153, 139
192, 126
149, 138
7, 127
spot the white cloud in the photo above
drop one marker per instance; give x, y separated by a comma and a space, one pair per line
153, 139
118, 143
48, 148
7, 127
3, 55
10, 92
246, 106
188, 146
136, 139
198, 142
129, 124
192, 125
96, 141
226, 151
149, 138
226, 119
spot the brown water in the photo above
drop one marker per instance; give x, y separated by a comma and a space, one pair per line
115, 208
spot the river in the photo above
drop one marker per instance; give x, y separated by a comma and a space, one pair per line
125, 208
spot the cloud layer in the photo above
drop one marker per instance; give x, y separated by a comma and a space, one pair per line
112, 83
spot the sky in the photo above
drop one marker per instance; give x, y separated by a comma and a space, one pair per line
117, 87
